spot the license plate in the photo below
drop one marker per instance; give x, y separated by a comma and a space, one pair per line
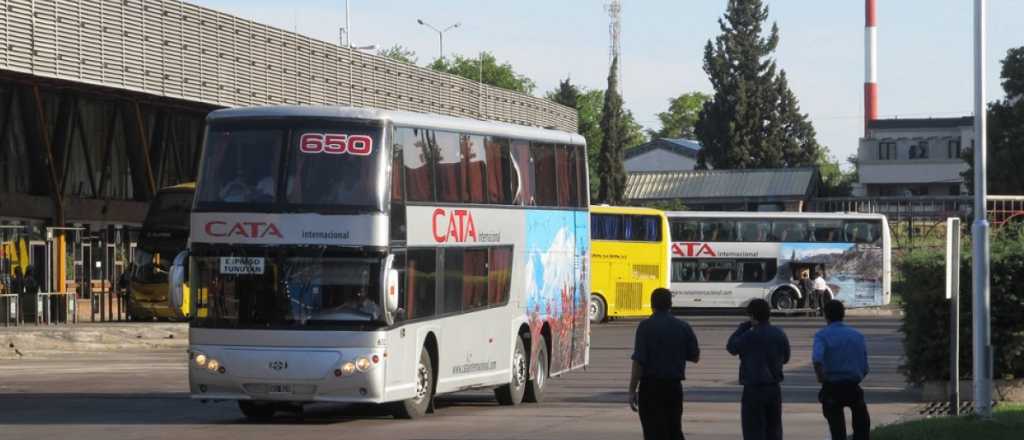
241, 265
281, 389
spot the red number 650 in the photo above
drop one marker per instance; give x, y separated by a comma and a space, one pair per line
336, 143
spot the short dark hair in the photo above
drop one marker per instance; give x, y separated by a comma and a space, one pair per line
834, 310
661, 299
759, 309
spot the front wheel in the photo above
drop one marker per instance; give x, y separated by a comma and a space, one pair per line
784, 300
418, 405
257, 411
512, 392
598, 309
535, 387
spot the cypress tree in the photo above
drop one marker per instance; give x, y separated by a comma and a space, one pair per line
754, 119
610, 168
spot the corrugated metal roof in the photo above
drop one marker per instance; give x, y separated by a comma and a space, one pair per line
680, 146
721, 184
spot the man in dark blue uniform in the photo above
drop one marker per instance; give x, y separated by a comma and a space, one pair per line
663, 345
763, 349
840, 359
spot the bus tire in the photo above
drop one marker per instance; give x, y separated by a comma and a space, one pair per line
535, 387
257, 411
417, 406
598, 309
784, 300
512, 392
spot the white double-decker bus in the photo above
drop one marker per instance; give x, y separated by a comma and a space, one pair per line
726, 259
351, 255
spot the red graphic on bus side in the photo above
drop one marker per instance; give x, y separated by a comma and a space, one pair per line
336, 143
693, 250
456, 226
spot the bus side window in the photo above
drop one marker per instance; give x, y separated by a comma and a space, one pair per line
474, 168
397, 217
499, 275
417, 156
499, 171
686, 230
546, 189
454, 260
579, 157
523, 165
421, 284
474, 279
606, 227
448, 166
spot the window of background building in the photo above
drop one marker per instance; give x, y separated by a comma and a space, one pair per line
953, 149
919, 150
886, 151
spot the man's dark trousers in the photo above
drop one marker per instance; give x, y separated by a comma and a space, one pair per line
761, 412
838, 395
661, 409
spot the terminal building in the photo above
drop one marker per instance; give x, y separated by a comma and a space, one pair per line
102, 103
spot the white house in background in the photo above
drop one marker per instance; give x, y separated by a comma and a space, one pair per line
662, 154
914, 157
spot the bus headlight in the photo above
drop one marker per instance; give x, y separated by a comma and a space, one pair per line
200, 359
348, 368
362, 364
213, 365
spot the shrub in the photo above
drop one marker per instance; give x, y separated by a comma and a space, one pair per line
926, 311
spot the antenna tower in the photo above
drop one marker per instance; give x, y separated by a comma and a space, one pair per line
615, 34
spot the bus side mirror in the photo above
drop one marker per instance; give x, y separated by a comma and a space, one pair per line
178, 277
391, 290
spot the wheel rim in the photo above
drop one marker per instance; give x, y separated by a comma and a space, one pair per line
785, 302
595, 308
519, 367
422, 382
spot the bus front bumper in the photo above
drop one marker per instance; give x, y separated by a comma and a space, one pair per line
286, 375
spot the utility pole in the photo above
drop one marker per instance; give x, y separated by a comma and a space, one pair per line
981, 300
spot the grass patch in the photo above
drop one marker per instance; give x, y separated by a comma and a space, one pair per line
1007, 423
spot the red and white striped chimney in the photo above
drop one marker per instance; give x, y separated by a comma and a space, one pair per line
870, 65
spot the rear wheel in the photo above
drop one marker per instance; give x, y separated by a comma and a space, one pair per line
418, 405
257, 411
598, 309
512, 392
535, 387
784, 300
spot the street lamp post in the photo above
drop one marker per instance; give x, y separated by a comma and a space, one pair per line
440, 33
981, 300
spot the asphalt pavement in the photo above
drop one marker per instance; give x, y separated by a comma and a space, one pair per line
140, 394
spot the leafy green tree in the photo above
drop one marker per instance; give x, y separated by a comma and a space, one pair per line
609, 167
837, 182
498, 75
753, 120
1005, 132
566, 94
681, 117
399, 53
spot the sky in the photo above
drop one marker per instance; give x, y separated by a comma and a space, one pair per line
925, 47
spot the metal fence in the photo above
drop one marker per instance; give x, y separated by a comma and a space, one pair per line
56, 308
10, 309
178, 50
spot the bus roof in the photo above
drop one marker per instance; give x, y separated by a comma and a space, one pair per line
605, 209
785, 215
403, 119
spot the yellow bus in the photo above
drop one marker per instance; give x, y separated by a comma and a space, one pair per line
164, 234
630, 257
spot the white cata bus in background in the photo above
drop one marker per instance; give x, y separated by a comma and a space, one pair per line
352, 255
726, 259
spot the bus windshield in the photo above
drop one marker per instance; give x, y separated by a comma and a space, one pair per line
293, 165
289, 291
